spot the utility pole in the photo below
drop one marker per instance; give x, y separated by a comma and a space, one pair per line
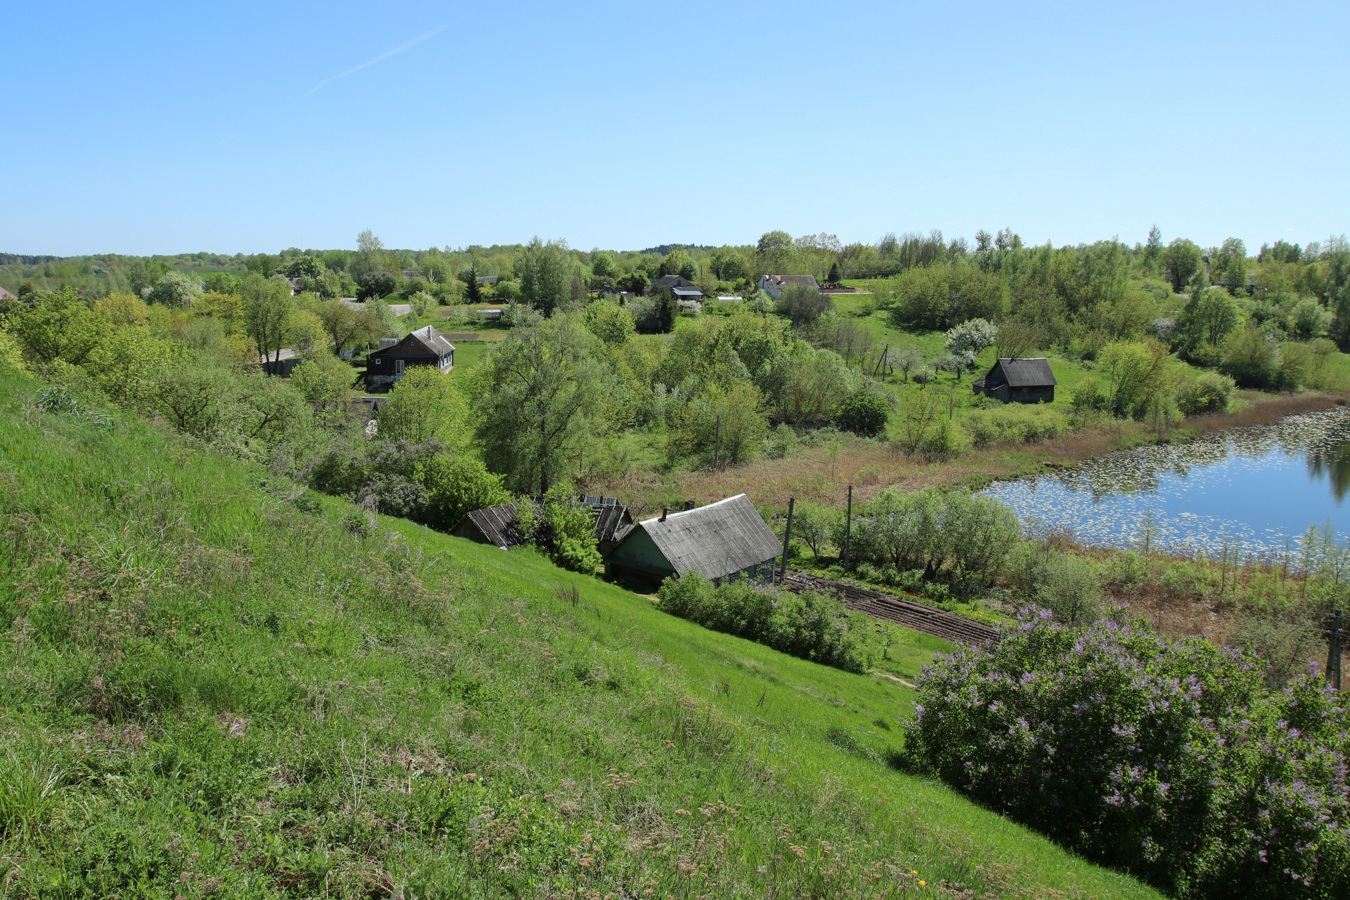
787, 539
717, 444
1334, 637
848, 526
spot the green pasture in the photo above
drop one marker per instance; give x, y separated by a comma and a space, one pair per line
215, 682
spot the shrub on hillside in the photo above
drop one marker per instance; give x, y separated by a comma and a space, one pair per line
1169, 760
1210, 392
808, 625
383, 476
862, 412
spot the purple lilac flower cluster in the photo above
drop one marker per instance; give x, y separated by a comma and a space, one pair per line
1168, 759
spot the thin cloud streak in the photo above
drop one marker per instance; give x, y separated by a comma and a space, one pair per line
370, 62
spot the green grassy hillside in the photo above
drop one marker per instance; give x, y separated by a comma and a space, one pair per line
214, 683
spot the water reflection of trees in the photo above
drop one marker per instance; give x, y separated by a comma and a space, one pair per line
1332, 463
1324, 439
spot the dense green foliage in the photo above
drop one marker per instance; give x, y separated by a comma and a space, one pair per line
1167, 759
965, 536
808, 625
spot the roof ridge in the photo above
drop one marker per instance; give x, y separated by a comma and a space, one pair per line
685, 512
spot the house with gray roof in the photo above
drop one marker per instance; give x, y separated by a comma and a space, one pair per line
721, 541
424, 347
1018, 381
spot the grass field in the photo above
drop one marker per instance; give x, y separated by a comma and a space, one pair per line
215, 683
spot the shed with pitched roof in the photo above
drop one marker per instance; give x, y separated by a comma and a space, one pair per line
721, 541
1018, 381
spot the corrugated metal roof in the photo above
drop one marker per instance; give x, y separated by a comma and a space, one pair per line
1027, 372
714, 540
498, 524
611, 523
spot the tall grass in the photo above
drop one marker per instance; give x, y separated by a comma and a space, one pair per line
213, 685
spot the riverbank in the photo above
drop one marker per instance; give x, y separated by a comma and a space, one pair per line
822, 474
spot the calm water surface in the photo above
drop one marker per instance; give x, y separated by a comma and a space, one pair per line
1260, 488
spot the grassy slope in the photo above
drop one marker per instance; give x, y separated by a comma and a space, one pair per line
210, 684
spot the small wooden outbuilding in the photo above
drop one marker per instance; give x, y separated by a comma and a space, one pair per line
1018, 381
723, 540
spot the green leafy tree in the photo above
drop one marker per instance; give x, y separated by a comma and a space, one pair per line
1181, 262
775, 249
567, 531
192, 398
1134, 372
456, 484
305, 334
1252, 358
347, 326
803, 304
534, 396
266, 308
678, 262
142, 275
1070, 588
325, 383
545, 281
125, 364
1336, 291
863, 411
1231, 264
728, 264
1309, 319
304, 266
1152, 258
603, 265
815, 524
426, 405
726, 425
376, 284
176, 289
1208, 318
59, 326
610, 322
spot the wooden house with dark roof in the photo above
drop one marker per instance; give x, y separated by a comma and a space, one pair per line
423, 347
723, 540
1018, 381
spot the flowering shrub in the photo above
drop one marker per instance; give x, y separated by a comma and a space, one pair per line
1166, 759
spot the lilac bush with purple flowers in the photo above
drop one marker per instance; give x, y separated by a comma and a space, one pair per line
1168, 759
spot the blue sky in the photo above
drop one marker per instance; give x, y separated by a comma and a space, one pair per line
163, 128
